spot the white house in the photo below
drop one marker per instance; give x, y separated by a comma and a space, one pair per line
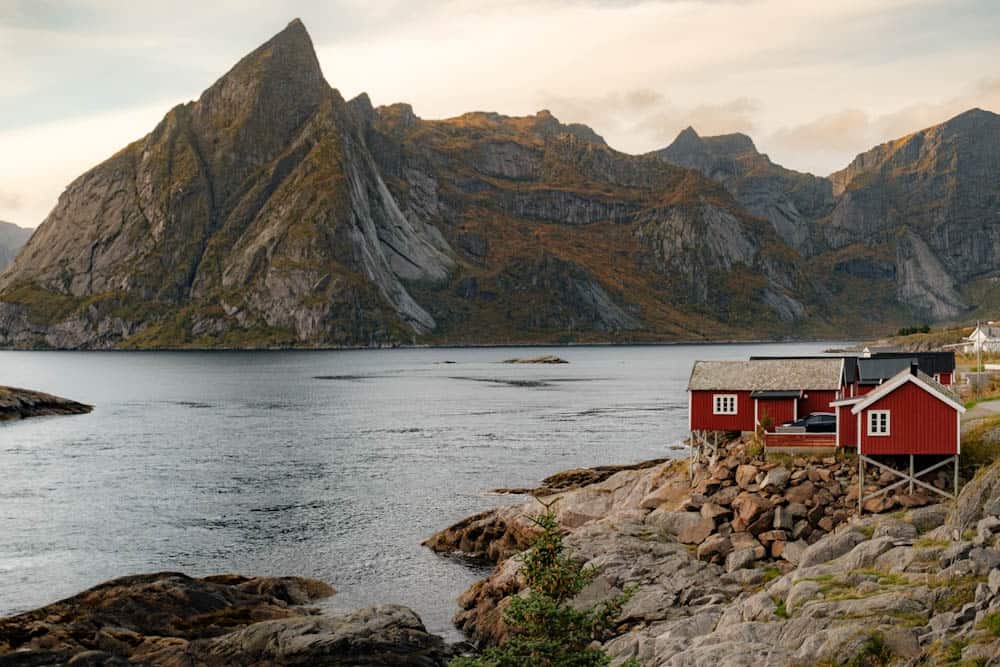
985, 337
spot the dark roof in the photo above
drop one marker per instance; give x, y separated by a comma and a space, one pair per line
929, 362
775, 394
878, 369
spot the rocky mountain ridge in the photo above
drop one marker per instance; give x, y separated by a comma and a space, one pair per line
915, 218
271, 212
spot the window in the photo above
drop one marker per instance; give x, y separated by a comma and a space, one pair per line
878, 422
725, 404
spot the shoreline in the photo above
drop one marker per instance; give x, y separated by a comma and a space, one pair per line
470, 346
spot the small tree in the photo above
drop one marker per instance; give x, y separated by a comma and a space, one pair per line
545, 630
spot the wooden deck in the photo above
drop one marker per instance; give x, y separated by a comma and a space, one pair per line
783, 440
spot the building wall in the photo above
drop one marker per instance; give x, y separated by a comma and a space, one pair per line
919, 423
944, 378
780, 410
816, 401
701, 406
847, 426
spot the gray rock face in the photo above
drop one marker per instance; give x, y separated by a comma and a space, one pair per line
12, 239
916, 215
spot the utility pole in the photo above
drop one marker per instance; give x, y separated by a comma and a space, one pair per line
979, 358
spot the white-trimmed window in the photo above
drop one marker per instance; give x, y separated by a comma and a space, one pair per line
878, 422
724, 404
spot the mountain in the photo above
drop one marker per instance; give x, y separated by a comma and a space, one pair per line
272, 212
909, 229
789, 200
12, 238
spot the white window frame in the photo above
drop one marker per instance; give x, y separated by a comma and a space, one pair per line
877, 431
724, 404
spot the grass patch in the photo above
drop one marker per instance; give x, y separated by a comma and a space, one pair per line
958, 592
779, 608
874, 652
981, 443
771, 573
991, 623
929, 543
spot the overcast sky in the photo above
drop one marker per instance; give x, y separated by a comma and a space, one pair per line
814, 83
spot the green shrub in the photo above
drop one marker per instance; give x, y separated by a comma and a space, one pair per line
874, 652
545, 631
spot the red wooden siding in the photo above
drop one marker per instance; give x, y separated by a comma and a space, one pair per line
702, 417
944, 378
919, 423
816, 401
864, 389
801, 440
847, 425
780, 410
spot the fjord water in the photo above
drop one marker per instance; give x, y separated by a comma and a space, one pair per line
325, 464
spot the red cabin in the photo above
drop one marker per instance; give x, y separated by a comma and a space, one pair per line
909, 414
737, 395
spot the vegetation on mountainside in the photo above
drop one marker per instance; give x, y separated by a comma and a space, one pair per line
546, 630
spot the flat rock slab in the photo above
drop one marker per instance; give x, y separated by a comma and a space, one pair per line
169, 619
18, 403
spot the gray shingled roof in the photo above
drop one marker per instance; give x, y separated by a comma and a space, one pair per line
766, 374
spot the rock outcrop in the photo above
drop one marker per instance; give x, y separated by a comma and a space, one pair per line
23, 403
12, 239
767, 564
169, 620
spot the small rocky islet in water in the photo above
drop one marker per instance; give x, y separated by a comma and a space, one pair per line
16, 403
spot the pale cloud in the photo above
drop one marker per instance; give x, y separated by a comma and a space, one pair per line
829, 142
82, 78
641, 120
48, 157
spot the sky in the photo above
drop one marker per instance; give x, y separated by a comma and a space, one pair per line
813, 82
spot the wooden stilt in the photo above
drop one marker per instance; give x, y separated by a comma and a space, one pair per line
912, 479
911, 474
861, 484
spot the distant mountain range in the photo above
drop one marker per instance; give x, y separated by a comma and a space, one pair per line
12, 238
271, 212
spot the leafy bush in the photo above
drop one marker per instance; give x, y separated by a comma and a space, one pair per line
545, 631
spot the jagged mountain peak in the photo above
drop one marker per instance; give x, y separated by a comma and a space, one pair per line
282, 74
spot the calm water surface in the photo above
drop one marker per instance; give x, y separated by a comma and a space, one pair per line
326, 464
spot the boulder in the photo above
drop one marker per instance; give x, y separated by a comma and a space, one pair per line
775, 479
715, 547
793, 551
687, 527
746, 475
747, 507
801, 493
830, 547
926, 518
740, 558
783, 519
712, 510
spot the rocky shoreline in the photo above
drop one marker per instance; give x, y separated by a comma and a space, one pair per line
762, 561
753, 560
172, 620
18, 403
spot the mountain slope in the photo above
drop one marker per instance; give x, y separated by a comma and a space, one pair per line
791, 201
909, 230
929, 205
271, 212
12, 238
